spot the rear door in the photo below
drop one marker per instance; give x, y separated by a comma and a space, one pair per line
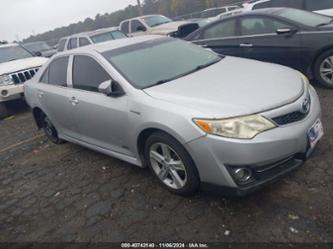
102, 120
221, 37
261, 41
53, 96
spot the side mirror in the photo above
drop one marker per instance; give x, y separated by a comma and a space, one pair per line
141, 29
285, 31
111, 88
39, 54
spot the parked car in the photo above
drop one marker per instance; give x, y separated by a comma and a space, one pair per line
186, 112
291, 37
157, 25
88, 38
40, 48
229, 13
200, 21
216, 13
17, 65
324, 7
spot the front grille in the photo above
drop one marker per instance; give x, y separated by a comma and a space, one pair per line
22, 76
290, 118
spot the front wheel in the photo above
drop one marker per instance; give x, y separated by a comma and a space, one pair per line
51, 131
3, 111
171, 164
323, 69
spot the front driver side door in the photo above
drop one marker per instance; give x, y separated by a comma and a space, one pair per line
261, 41
102, 120
221, 37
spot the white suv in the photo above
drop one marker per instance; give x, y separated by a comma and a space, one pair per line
17, 65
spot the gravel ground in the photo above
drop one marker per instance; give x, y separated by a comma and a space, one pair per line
68, 193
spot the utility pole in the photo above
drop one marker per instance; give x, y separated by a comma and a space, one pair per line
140, 8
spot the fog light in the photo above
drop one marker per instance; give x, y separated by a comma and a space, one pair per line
4, 93
242, 175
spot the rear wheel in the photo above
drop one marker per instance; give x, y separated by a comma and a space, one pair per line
51, 131
171, 164
323, 69
3, 111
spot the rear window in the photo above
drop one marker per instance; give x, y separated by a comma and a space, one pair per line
107, 36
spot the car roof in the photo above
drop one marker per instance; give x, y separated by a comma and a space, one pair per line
9, 45
96, 32
36, 42
113, 44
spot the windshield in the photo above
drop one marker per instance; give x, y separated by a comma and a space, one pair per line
159, 61
37, 47
13, 53
304, 17
153, 21
107, 36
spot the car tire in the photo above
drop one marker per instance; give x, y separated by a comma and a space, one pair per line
3, 111
171, 164
324, 63
50, 131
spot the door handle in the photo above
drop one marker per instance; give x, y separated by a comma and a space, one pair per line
74, 101
246, 45
40, 94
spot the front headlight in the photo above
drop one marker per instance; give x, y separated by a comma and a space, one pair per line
6, 80
246, 127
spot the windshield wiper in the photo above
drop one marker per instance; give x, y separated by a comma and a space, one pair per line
160, 82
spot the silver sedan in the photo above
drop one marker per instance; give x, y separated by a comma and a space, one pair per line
194, 117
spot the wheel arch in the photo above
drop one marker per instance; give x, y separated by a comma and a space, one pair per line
146, 132
38, 115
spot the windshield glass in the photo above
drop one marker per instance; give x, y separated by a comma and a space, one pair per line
165, 59
153, 21
37, 47
304, 17
13, 53
107, 36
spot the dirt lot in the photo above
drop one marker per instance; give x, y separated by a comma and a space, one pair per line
68, 193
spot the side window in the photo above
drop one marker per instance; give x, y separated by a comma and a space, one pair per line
72, 43
221, 29
83, 42
57, 72
135, 24
125, 27
313, 5
61, 46
88, 74
260, 25
45, 76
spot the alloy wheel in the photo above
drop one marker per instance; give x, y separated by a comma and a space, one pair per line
168, 166
326, 70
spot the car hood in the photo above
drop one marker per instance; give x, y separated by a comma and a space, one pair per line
233, 87
167, 28
19, 65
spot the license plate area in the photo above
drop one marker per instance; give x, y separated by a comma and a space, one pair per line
315, 133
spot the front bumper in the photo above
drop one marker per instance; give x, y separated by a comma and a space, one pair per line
11, 92
286, 147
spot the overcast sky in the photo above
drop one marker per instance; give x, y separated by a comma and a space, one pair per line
24, 17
